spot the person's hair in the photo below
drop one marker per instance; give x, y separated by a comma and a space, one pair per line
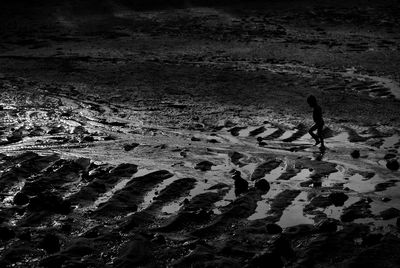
311, 100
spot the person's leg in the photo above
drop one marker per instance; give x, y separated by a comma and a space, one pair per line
311, 132
320, 134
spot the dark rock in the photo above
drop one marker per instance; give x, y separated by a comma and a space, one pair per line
355, 154
398, 222
390, 213
50, 243
393, 164
273, 228
109, 138
241, 185
389, 156
338, 199
6, 233
386, 199
262, 185
204, 165
130, 147
88, 139
326, 226
21, 199
235, 131
195, 139
235, 157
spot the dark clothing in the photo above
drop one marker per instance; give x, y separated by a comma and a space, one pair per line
319, 128
317, 115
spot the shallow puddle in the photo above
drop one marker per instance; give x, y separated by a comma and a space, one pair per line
360, 184
335, 178
294, 215
390, 142
334, 212
287, 134
261, 211
149, 196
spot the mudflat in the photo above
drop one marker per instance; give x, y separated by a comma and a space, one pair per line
175, 134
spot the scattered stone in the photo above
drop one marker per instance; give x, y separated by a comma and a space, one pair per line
21, 199
393, 164
273, 228
50, 243
130, 147
355, 154
80, 130
235, 158
262, 185
204, 165
235, 131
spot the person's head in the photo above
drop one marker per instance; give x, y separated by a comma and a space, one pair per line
311, 100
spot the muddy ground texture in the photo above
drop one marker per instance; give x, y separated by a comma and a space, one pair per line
178, 138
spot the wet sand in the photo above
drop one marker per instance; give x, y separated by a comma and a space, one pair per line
120, 132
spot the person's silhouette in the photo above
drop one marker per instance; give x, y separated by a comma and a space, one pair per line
319, 122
